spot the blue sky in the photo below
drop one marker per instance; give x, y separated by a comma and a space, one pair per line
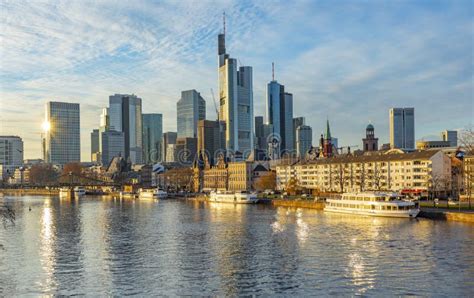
347, 60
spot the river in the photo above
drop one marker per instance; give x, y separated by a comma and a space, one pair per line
106, 246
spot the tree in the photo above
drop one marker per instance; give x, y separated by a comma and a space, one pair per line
466, 139
267, 181
71, 172
292, 186
43, 174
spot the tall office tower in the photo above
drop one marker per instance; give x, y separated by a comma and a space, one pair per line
103, 126
113, 145
186, 149
236, 101
297, 122
370, 142
62, 133
152, 135
260, 141
125, 114
450, 136
11, 154
169, 138
304, 140
211, 137
280, 114
95, 148
190, 109
402, 128
288, 122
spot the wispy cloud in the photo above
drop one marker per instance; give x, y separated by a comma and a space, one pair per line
349, 61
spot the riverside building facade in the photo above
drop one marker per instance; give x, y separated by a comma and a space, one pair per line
418, 172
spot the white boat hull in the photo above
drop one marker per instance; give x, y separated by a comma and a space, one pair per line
412, 213
233, 198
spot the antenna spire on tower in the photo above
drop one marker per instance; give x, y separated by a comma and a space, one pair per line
273, 71
223, 20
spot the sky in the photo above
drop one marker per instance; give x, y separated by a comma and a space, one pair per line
346, 61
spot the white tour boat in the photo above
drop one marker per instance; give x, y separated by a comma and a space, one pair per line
239, 197
372, 204
79, 191
152, 193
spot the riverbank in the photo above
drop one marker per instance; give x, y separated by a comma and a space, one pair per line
29, 191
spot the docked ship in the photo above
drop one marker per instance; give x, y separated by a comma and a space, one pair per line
239, 197
65, 192
373, 204
152, 193
79, 191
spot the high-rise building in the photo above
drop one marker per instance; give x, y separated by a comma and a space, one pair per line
211, 136
11, 154
113, 145
152, 135
450, 136
280, 115
402, 128
191, 108
288, 122
236, 101
304, 140
170, 153
125, 115
260, 142
186, 149
370, 142
62, 143
169, 138
297, 122
95, 147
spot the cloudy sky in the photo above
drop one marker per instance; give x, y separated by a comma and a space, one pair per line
349, 61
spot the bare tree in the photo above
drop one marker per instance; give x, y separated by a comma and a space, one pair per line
466, 139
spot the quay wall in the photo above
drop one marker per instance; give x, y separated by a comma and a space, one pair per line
29, 191
464, 216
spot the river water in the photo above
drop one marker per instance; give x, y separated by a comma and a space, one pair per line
107, 246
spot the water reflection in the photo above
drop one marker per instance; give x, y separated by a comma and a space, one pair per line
47, 253
102, 246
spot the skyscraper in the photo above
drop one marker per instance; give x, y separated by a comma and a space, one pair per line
125, 114
95, 147
280, 115
113, 145
62, 133
169, 138
236, 101
259, 133
210, 138
191, 108
402, 128
186, 149
152, 135
297, 122
304, 140
11, 154
450, 136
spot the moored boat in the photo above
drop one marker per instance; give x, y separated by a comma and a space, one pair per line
239, 197
373, 204
79, 191
65, 192
152, 193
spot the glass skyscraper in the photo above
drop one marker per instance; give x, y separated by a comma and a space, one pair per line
191, 108
125, 115
62, 142
236, 101
152, 135
402, 128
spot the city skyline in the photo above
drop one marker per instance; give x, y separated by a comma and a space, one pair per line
361, 61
